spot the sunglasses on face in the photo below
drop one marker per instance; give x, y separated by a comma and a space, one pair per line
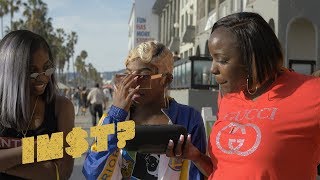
143, 80
47, 72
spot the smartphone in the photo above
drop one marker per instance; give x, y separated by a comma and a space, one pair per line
155, 138
143, 80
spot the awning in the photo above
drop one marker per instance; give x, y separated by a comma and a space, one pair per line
189, 34
159, 5
210, 22
174, 44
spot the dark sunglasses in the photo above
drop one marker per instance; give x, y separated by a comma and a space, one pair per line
47, 72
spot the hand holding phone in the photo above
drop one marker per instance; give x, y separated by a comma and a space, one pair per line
154, 138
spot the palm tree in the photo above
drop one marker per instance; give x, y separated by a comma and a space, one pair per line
4, 9
81, 66
13, 8
72, 41
59, 49
36, 18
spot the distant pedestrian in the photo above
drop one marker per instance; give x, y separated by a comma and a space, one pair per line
97, 100
107, 94
83, 100
77, 100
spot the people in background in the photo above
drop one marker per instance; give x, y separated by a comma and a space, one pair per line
97, 101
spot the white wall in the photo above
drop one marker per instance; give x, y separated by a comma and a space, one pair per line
267, 9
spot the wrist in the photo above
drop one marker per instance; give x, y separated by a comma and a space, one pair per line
117, 113
196, 156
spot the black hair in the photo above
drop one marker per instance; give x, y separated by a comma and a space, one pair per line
16, 50
260, 48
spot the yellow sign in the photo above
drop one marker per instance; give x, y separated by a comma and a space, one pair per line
49, 148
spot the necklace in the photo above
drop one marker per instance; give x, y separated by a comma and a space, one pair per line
24, 133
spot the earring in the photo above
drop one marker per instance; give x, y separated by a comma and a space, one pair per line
166, 100
251, 93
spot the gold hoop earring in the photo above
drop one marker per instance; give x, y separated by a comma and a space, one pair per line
166, 100
251, 93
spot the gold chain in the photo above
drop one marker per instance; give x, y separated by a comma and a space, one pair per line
34, 107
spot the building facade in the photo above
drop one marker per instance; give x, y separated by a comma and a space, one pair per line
207, 15
168, 12
296, 23
143, 23
185, 26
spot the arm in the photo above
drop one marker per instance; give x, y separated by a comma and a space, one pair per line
198, 139
10, 158
201, 161
89, 96
95, 163
65, 118
36, 170
65, 114
204, 164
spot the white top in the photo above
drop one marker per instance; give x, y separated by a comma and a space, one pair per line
96, 96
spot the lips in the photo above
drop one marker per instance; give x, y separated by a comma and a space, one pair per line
39, 86
220, 81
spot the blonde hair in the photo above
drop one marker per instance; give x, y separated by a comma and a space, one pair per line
152, 52
316, 73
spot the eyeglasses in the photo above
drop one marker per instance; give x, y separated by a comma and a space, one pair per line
47, 72
144, 80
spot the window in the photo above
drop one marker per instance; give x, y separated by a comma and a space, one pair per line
191, 15
183, 74
302, 66
211, 5
186, 16
190, 52
179, 76
201, 8
201, 73
175, 76
185, 54
182, 24
188, 73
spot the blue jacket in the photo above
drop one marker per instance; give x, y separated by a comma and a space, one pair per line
180, 114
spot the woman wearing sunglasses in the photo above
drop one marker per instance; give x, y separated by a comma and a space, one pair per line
146, 104
30, 106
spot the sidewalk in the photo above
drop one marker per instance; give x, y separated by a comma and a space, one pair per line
85, 123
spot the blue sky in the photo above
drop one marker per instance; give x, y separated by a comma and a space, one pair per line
101, 25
